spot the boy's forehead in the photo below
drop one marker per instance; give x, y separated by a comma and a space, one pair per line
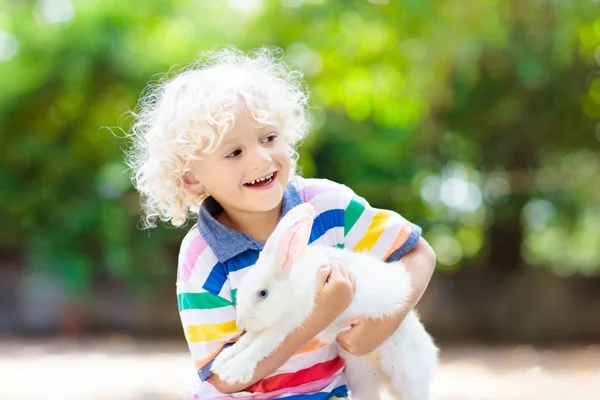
242, 126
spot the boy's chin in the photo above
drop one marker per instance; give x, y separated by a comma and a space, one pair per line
268, 203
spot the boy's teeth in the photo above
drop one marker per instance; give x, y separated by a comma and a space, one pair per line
261, 179
270, 176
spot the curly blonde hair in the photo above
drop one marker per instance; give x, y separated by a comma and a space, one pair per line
186, 115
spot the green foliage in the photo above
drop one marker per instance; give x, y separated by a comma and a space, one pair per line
464, 118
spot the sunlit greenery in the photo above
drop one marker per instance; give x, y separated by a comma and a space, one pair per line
477, 120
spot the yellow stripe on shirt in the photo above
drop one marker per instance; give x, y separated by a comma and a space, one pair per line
207, 332
375, 230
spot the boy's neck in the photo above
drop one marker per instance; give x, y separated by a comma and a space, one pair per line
259, 226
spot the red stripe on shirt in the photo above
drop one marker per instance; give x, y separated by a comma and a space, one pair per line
292, 379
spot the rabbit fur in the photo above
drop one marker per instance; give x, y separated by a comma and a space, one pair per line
277, 295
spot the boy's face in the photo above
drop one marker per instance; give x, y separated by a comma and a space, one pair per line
249, 170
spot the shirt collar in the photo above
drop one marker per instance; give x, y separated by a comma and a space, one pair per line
227, 243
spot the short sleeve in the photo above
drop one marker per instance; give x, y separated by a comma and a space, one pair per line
206, 310
383, 233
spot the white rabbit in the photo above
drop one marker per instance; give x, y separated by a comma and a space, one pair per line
277, 295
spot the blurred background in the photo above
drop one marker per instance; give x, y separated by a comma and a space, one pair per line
479, 121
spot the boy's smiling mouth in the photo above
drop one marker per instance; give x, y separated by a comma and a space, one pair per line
262, 181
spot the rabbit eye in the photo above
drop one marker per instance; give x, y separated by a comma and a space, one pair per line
262, 293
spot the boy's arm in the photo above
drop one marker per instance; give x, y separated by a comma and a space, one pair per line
368, 334
289, 347
336, 291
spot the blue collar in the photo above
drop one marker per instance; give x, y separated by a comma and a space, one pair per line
226, 242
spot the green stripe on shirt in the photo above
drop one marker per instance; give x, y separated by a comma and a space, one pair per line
234, 296
352, 214
200, 301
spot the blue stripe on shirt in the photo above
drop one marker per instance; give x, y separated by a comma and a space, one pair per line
216, 279
340, 391
242, 260
325, 221
413, 238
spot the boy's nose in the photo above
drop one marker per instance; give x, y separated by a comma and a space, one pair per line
262, 161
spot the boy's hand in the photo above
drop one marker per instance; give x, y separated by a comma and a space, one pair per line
366, 334
335, 290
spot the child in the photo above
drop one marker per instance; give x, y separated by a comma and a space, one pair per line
219, 140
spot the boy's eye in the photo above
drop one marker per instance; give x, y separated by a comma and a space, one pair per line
234, 154
270, 138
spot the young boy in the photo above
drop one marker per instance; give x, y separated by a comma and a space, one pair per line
219, 140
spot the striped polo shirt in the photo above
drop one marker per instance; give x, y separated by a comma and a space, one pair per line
214, 258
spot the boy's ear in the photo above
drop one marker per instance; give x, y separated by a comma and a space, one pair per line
191, 184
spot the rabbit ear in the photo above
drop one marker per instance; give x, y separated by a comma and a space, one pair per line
293, 243
286, 244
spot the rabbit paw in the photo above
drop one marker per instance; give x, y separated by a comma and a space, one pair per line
237, 369
233, 350
225, 356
